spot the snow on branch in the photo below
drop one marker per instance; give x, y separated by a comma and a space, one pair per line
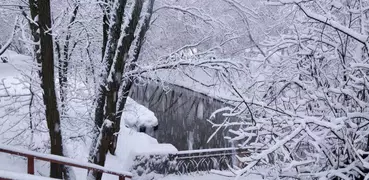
207, 19
325, 20
304, 108
207, 64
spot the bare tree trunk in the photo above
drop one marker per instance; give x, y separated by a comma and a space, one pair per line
48, 85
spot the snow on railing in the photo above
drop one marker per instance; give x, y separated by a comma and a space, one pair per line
190, 161
15, 176
31, 156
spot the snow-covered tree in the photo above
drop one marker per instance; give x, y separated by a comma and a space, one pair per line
305, 109
95, 48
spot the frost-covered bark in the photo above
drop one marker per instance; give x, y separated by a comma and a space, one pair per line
121, 36
130, 65
102, 139
117, 69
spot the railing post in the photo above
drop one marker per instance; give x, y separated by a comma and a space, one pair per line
122, 177
30, 165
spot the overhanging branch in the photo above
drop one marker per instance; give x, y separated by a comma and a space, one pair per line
336, 25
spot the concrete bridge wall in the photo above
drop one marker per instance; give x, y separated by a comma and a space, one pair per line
182, 115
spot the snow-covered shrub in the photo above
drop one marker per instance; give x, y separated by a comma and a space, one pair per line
158, 164
307, 105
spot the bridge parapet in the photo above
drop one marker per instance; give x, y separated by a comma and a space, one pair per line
186, 162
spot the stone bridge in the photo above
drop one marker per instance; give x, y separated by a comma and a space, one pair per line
182, 115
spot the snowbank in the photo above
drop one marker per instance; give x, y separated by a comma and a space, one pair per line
136, 115
131, 142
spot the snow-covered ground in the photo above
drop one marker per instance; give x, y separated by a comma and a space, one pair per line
130, 141
14, 130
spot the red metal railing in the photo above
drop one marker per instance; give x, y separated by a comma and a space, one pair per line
31, 156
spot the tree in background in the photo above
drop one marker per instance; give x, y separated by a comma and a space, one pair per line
65, 46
